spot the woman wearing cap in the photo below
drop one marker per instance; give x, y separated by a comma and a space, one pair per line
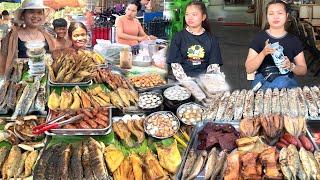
32, 13
128, 29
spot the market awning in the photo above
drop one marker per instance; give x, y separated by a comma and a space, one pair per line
58, 4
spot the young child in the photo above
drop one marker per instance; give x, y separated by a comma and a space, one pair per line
60, 28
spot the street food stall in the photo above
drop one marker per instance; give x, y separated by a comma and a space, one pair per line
113, 113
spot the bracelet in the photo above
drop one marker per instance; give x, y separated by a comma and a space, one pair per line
292, 67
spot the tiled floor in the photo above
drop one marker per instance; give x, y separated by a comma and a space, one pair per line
234, 41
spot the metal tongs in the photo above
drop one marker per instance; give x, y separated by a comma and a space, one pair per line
54, 124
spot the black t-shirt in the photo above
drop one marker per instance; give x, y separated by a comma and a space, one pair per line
290, 43
194, 52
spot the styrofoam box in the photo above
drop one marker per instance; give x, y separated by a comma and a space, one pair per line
316, 11
304, 11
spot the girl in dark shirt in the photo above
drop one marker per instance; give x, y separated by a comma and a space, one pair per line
194, 50
259, 58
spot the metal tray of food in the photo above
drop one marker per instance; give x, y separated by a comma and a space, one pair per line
165, 113
150, 103
185, 107
80, 132
167, 85
194, 143
86, 83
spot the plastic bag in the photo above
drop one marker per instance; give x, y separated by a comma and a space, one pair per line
111, 52
213, 83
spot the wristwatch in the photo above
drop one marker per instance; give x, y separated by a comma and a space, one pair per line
292, 67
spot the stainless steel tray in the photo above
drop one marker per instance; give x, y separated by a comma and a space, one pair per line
160, 112
189, 104
80, 132
87, 83
157, 87
193, 143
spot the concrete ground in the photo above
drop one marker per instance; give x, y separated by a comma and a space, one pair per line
234, 44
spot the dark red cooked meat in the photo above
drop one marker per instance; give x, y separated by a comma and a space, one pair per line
219, 135
228, 141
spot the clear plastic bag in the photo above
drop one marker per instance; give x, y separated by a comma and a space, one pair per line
213, 83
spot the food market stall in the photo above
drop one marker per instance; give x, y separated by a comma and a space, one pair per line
81, 117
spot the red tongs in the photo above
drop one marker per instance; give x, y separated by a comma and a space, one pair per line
54, 124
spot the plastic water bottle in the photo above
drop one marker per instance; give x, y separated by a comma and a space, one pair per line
278, 57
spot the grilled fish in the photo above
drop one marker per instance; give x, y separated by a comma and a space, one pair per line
211, 163
312, 106
198, 165
75, 162
63, 164
12, 95
248, 105
30, 161
42, 163
21, 103
315, 92
4, 151
317, 156
189, 164
239, 105
11, 164
302, 107
267, 102
275, 101
292, 102
284, 164
228, 114
53, 170
294, 162
315, 169
31, 96
40, 101
305, 162
97, 160
87, 170
222, 105
258, 103
21, 163
284, 101
219, 165
138, 133
3, 91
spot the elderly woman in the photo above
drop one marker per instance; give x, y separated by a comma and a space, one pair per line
33, 14
129, 30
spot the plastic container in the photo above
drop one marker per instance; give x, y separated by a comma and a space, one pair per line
142, 61
35, 47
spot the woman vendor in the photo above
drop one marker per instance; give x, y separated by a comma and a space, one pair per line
128, 29
194, 50
33, 14
78, 34
272, 45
